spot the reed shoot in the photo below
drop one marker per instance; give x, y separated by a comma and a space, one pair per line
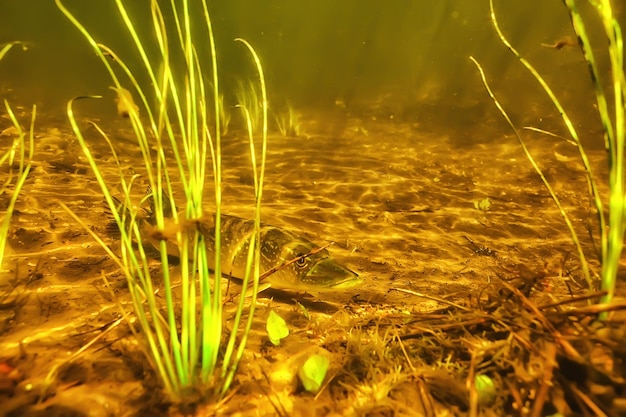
184, 340
612, 116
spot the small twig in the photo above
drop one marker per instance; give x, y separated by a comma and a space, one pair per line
433, 298
549, 354
480, 250
275, 403
443, 328
597, 308
518, 403
48, 380
569, 349
471, 385
406, 355
527, 344
573, 299
559, 44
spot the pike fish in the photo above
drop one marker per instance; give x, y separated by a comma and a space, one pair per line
313, 269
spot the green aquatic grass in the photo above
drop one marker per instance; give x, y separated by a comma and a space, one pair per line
8, 46
20, 152
289, 122
612, 116
247, 95
612, 238
186, 342
225, 115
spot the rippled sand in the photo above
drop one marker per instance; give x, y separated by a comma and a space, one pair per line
399, 203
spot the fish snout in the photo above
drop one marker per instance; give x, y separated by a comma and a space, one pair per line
328, 274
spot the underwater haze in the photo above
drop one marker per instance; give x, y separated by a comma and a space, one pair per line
398, 59
384, 147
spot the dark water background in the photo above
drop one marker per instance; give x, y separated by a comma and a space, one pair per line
399, 59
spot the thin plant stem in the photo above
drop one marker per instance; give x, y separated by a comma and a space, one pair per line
611, 232
254, 253
573, 133
25, 149
614, 131
183, 338
537, 169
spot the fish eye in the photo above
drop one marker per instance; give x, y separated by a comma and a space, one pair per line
301, 262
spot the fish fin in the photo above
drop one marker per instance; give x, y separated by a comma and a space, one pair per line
112, 229
150, 209
167, 206
206, 224
264, 286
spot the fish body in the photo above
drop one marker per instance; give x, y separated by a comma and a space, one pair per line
313, 269
317, 271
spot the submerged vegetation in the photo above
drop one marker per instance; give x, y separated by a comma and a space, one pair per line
575, 354
184, 333
289, 122
18, 159
464, 307
250, 103
611, 230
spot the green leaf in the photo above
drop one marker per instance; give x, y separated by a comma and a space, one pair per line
486, 389
313, 372
276, 328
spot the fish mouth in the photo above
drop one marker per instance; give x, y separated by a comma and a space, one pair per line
328, 274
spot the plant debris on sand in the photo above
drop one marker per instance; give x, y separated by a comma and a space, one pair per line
509, 350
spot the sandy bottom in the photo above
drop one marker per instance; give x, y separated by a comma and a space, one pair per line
408, 210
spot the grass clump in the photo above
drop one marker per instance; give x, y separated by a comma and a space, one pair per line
183, 330
289, 122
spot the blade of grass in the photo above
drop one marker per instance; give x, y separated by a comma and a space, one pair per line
611, 232
573, 133
253, 264
614, 130
537, 169
185, 342
25, 163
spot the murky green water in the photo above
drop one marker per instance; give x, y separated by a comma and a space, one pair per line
398, 157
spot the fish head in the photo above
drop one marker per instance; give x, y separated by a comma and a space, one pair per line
316, 272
